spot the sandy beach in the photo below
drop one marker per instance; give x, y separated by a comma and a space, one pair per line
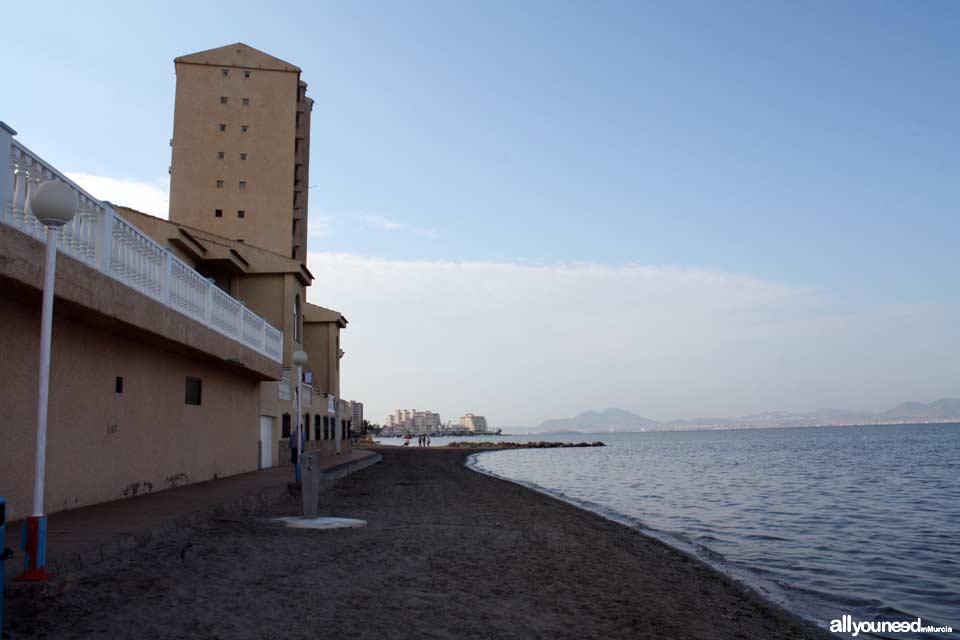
447, 553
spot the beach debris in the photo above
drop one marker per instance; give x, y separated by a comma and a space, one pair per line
183, 552
297, 522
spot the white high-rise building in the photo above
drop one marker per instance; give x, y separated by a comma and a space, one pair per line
356, 412
476, 424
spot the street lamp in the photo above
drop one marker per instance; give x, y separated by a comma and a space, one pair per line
54, 204
299, 359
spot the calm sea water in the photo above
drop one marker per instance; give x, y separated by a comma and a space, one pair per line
828, 521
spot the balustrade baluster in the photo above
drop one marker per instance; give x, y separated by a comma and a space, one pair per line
19, 188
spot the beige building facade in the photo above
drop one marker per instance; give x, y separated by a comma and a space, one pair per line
240, 148
142, 396
173, 339
239, 195
274, 287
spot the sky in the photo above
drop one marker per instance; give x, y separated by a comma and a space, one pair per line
530, 209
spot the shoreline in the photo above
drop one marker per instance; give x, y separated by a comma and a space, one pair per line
447, 552
663, 537
668, 429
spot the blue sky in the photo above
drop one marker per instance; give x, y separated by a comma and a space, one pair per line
813, 144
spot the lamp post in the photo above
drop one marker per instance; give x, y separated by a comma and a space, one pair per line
299, 359
54, 204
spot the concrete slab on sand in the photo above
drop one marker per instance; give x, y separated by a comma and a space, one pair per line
321, 523
86, 536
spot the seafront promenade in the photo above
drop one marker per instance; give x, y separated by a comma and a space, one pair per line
447, 553
79, 539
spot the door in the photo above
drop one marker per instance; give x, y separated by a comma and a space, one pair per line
266, 442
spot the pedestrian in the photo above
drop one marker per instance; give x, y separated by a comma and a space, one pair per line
428, 441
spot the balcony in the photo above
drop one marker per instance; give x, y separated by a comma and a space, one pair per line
104, 241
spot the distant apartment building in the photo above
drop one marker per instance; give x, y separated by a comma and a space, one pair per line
241, 148
476, 424
413, 421
356, 411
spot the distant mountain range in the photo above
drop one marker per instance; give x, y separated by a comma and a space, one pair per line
618, 418
943, 410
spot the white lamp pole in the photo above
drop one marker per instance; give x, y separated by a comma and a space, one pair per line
54, 204
299, 359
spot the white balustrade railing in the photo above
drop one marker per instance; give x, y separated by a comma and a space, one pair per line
189, 290
273, 342
136, 259
105, 241
225, 313
78, 238
252, 327
306, 396
283, 388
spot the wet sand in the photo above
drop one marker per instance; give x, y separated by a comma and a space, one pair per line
447, 553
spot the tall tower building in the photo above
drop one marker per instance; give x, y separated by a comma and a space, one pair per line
241, 148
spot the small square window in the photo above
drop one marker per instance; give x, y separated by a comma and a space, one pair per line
118, 384
240, 214
243, 184
243, 156
219, 184
221, 155
246, 102
246, 74
243, 128
224, 73
194, 391
218, 213
222, 127
223, 99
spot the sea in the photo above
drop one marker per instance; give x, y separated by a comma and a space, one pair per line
827, 521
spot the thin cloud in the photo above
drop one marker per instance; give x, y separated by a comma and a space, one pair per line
149, 196
320, 226
521, 342
384, 223
380, 222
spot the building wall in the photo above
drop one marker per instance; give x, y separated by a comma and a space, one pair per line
263, 294
102, 445
301, 183
292, 288
326, 444
321, 344
269, 144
